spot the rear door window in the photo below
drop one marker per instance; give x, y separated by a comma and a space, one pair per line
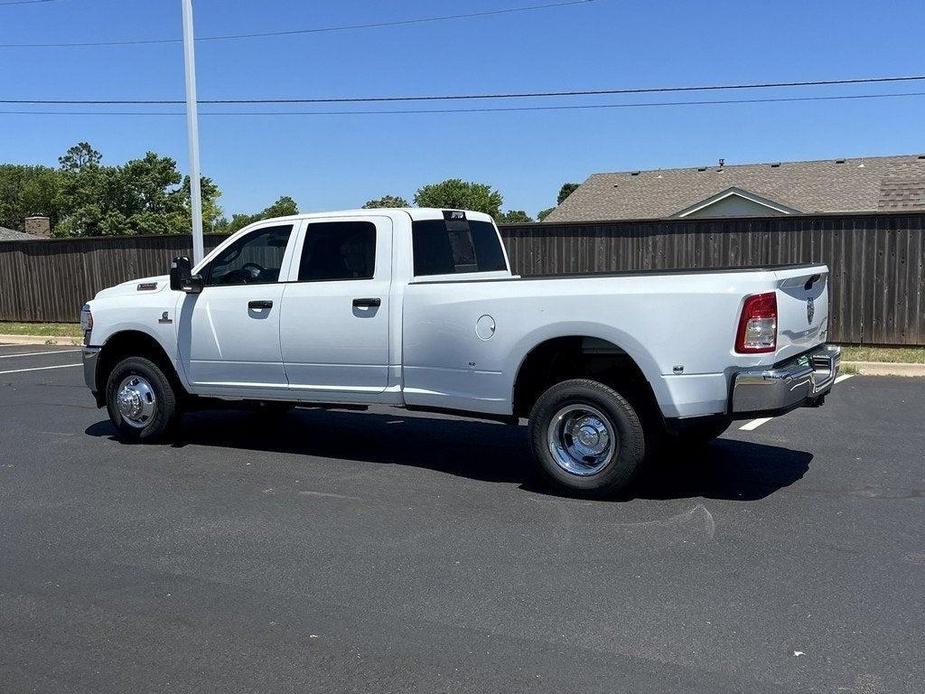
451, 246
338, 251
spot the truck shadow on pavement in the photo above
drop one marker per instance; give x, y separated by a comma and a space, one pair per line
480, 450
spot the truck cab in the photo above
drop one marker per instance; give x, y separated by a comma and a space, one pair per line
302, 308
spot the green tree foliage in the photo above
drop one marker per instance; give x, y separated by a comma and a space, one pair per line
461, 195
543, 214
142, 196
84, 197
386, 201
26, 191
210, 193
513, 217
79, 157
283, 207
566, 190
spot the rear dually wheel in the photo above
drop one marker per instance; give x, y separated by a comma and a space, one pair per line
587, 438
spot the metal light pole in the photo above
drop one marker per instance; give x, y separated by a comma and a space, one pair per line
192, 128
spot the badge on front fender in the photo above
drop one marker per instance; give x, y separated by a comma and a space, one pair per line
810, 310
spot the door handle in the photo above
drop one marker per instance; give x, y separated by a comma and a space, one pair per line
367, 303
258, 305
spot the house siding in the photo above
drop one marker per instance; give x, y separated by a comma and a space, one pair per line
733, 206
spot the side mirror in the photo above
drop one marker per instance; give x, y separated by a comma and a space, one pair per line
182, 278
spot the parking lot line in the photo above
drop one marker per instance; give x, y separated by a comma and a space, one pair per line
39, 368
843, 377
755, 423
36, 354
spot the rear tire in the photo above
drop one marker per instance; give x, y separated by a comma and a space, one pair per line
141, 401
587, 438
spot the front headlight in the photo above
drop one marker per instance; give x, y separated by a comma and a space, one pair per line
86, 322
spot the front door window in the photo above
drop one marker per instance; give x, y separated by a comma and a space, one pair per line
255, 258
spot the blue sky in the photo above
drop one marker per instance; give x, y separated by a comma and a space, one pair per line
332, 162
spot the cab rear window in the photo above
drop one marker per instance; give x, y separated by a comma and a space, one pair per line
451, 246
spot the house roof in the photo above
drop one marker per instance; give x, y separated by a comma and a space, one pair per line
831, 185
12, 235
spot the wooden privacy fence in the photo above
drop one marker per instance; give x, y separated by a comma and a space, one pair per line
49, 280
876, 262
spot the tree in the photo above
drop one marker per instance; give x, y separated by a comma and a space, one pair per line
142, 196
461, 195
84, 197
79, 156
386, 201
283, 207
566, 190
543, 214
513, 217
210, 193
26, 191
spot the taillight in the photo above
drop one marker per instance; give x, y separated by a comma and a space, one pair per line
758, 324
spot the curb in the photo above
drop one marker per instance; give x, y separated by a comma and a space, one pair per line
885, 368
40, 340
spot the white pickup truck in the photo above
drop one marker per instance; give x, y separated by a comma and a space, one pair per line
417, 308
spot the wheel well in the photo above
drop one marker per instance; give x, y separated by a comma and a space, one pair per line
132, 343
562, 358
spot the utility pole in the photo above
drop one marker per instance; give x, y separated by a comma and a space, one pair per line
192, 129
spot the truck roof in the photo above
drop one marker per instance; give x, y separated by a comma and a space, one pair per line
416, 213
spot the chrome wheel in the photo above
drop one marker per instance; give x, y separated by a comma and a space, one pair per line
136, 401
581, 439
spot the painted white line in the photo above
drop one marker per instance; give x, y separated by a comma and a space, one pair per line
755, 423
843, 377
36, 354
40, 368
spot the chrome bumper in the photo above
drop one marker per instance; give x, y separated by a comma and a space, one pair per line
802, 381
90, 359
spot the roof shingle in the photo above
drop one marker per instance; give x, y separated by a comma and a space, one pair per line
863, 184
12, 235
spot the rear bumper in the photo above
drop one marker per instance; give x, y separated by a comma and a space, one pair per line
799, 382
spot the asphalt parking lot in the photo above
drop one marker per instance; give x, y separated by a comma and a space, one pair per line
389, 552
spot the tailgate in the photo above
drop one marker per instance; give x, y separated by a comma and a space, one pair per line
802, 309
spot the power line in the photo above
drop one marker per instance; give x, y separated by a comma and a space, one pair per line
25, 2
296, 32
460, 97
567, 107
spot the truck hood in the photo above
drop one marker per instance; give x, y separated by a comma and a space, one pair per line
145, 285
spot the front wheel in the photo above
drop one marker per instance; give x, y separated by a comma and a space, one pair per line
141, 401
586, 438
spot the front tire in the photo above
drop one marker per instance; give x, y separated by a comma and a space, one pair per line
141, 401
586, 438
